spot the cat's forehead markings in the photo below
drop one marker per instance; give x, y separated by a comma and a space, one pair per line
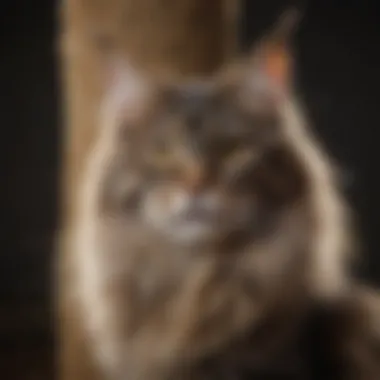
194, 93
196, 89
194, 98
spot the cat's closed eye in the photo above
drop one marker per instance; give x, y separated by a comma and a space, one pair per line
164, 160
160, 153
238, 161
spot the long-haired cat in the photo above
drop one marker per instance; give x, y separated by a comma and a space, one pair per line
209, 225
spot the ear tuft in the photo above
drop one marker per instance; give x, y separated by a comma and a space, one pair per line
286, 26
272, 56
123, 77
126, 89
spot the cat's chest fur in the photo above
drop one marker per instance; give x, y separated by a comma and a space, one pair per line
183, 305
165, 278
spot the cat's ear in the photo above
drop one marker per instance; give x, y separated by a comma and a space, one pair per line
125, 87
271, 58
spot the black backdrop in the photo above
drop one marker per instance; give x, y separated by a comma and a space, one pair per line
338, 77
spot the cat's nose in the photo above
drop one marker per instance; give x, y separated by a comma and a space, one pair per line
202, 206
194, 179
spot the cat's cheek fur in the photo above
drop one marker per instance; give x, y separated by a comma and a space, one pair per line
93, 271
331, 243
95, 308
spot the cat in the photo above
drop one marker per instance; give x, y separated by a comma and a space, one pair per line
210, 227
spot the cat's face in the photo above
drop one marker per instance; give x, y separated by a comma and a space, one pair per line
201, 161
196, 160
204, 165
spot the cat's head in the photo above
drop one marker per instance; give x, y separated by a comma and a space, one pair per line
200, 160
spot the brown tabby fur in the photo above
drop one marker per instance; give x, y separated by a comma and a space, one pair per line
201, 36
240, 305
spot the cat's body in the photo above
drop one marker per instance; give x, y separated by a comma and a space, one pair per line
209, 230
211, 240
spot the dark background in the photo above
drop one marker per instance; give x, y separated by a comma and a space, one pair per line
338, 78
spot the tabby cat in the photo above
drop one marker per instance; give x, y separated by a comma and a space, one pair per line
210, 226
